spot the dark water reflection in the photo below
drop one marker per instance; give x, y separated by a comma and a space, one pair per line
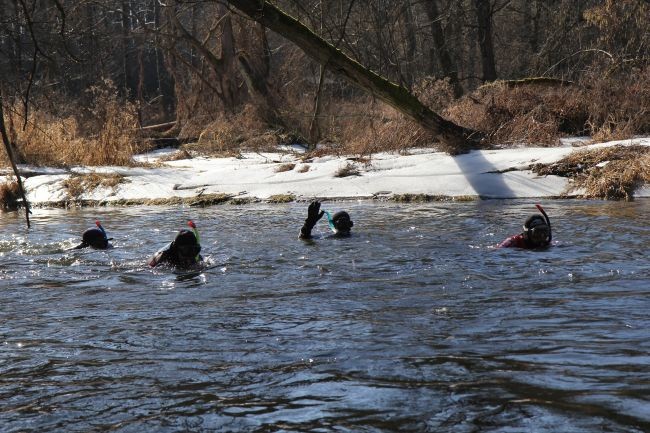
414, 324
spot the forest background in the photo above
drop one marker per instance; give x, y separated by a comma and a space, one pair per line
93, 82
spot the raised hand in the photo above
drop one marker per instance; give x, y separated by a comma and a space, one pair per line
314, 213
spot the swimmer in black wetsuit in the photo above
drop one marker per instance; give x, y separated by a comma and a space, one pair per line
182, 252
95, 237
340, 222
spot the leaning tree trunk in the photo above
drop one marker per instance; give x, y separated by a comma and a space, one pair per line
454, 138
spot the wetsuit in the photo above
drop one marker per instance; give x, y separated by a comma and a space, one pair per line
520, 241
169, 256
536, 234
183, 252
516, 241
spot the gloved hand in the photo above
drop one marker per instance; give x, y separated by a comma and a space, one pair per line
313, 214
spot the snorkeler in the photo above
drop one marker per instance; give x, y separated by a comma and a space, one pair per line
182, 252
340, 223
536, 234
95, 237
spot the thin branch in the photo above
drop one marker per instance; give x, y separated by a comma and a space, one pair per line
29, 88
59, 6
12, 160
30, 26
590, 50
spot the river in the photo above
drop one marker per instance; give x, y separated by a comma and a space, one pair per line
415, 323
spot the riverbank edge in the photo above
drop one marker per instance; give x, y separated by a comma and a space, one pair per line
226, 199
70, 188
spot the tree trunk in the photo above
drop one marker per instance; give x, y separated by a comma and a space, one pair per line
410, 42
440, 46
228, 60
314, 126
128, 63
259, 92
454, 138
484, 17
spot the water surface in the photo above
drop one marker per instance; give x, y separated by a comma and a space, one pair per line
414, 324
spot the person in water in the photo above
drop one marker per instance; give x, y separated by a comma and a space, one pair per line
182, 252
95, 237
536, 234
340, 223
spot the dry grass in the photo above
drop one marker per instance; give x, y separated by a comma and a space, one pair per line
59, 132
179, 155
613, 173
77, 185
619, 107
534, 114
9, 195
303, 168
281, 198
425, 198
103, 130
435, 94
244, 131
368, 128
347, 170
604, 105
242, 200
285, 167
199, 201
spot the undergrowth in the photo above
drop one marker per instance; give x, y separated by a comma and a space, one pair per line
607, 103
100, 130
9, 195
612, 173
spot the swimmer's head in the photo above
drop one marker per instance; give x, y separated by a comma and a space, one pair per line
186, 246
537, 231
94, 238
342, 223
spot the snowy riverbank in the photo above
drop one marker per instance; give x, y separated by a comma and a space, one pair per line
488, 174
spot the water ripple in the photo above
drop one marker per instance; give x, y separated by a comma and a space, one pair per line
416, 323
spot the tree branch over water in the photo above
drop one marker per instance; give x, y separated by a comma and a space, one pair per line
454, 138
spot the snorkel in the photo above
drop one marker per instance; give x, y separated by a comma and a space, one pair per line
330, 222
105, 237
340, 223
548, 221
99, 226
191, 224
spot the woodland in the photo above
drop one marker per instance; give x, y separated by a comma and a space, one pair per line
92, 82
